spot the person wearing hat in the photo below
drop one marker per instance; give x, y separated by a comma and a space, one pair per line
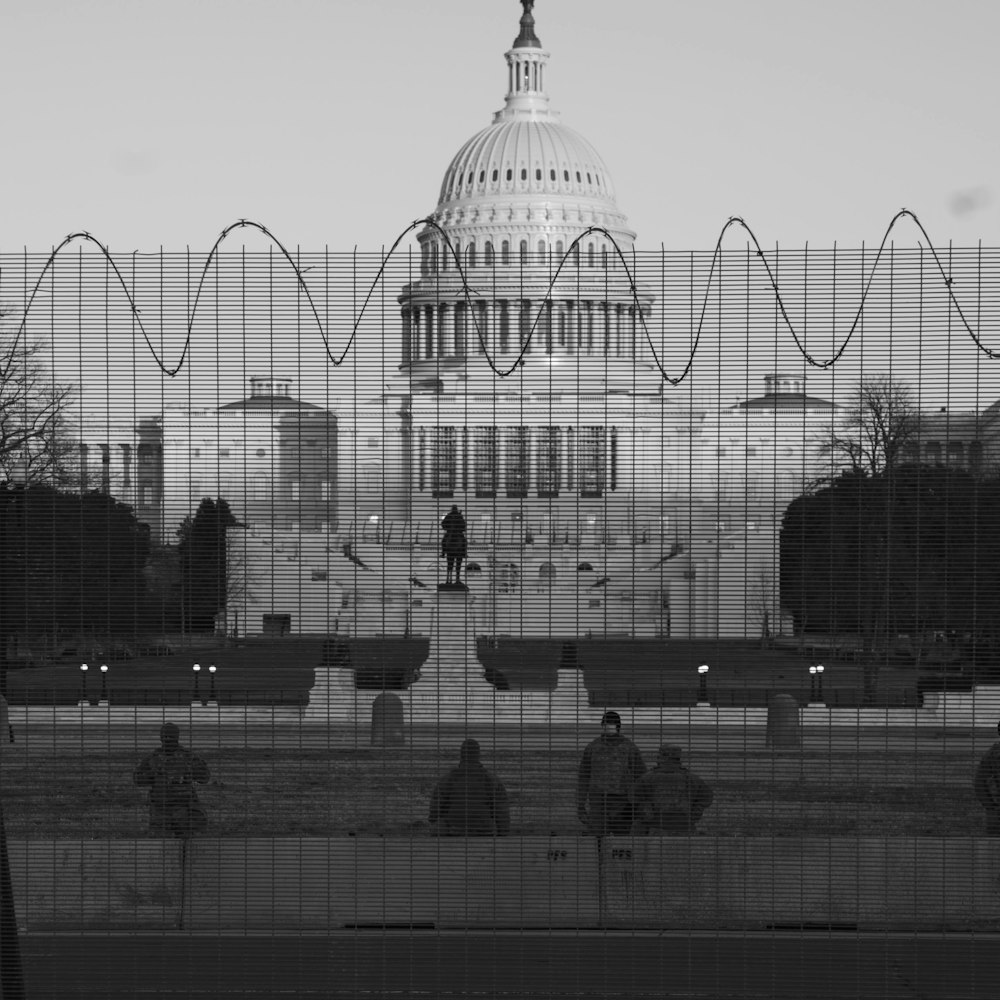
987, 787
170, 772
609, 769
470, 801
670, 798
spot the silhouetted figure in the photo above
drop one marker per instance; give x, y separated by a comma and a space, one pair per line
470, 801
11, 974
170, 773
453, 545
605, 787
670, 798
987, 787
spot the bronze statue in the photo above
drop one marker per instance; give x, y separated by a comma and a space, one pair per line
453, 544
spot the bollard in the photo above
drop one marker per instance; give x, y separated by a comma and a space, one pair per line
783, 728
387, 720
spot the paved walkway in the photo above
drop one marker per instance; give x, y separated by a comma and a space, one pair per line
382, 964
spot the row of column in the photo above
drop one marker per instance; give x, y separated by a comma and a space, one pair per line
446, 330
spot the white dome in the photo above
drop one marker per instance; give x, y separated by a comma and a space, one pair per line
526, 158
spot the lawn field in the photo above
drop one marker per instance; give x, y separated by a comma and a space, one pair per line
916, 790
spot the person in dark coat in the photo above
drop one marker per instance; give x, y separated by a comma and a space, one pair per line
470, 801
986, 785
454, 545
670, 798
170, 773
610, 767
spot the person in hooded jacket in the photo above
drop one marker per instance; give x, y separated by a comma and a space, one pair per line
609, 769
470, 801
670, 799
986, 785
170, 773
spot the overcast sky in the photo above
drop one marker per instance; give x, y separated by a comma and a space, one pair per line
332, 121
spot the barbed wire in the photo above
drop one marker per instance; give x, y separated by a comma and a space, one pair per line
468, 290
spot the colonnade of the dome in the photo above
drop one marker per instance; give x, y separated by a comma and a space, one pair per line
569, 327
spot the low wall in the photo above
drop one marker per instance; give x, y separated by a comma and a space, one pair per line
541, 882
334, 700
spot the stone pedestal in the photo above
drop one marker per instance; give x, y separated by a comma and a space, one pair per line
452, 666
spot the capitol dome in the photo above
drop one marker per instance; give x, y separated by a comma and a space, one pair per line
519, 202
526, 166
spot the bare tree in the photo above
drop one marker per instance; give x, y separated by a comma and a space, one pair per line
35, 440
879, 421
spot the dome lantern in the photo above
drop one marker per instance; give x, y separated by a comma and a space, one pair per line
526, 65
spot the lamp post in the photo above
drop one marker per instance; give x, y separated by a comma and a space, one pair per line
197, 669
104, 685
703, 684
816, 683
83, 684
211, 689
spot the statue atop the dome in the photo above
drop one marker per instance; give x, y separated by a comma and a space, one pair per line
527, 39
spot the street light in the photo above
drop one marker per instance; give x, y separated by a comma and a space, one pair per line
703, 684
196, 668
104, 684
211, 675
816, 683
83, 683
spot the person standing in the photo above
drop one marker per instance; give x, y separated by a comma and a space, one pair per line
987, 786
670, 798
470, 801
170, 773
605, 786
11, 972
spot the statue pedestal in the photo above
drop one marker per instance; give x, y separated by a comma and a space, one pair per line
452, 666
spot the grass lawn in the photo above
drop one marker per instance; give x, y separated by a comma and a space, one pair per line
288, 792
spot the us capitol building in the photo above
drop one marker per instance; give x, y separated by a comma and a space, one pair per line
529, 398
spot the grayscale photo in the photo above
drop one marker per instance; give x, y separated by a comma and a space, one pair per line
499, 499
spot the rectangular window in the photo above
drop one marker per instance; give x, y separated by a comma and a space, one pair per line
324, 490
487, 461
549, 461
223, 453
319, 575
443, 461
517, 456
295, 491
592, 461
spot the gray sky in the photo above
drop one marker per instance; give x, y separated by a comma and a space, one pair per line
332, 121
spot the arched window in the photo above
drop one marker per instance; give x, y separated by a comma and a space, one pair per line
590, 255
559, 249
494, 177
538, 173
524, 251
576, 254
505, 252
604, 258
546, 575
541, 251
434, 258
471, 255
488, 254
524, 173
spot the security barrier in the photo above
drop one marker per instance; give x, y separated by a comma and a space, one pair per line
531, 882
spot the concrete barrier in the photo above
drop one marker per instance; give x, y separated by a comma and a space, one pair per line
866, 883
81, 885
314, 883
318, 884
